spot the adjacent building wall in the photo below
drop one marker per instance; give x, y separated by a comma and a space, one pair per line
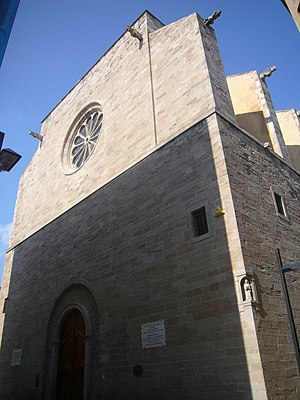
293, 7
290, 128
254, 109
8, 11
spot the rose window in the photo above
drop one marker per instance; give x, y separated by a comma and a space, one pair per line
81, 138
85, 139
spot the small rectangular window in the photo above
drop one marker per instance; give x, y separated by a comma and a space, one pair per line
279, 204
200, 222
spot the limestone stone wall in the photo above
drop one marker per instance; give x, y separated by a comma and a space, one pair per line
255, 111
254, 174
131, 244
294, 8
289, 121
149, 91
120, 83
116, 237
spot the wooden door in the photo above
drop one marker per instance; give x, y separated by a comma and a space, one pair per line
70, 374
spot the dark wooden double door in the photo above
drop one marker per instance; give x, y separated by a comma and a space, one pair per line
70, 374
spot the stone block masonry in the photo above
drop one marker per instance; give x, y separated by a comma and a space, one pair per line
114, 242
255, 173
129, 243
149, 93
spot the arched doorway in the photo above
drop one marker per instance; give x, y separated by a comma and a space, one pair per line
71, 357
76, 298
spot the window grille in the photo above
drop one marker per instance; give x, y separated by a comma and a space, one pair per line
200, 222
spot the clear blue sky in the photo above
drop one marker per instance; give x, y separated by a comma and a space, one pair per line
53, 43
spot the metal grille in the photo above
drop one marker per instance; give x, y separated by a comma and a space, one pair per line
200, 222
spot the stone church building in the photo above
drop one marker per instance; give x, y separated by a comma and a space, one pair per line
142, 262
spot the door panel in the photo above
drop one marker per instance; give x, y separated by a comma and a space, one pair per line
70, 374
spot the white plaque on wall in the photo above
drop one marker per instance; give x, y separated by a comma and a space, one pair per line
153, 334
16, 358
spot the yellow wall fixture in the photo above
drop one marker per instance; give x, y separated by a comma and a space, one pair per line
219, 212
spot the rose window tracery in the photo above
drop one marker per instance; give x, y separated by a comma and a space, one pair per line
85, 139
82, 138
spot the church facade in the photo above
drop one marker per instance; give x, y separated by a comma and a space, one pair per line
142, 262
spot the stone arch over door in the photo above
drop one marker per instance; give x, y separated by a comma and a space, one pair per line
75, 297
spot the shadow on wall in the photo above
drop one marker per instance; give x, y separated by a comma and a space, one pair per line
254, 123
294, 153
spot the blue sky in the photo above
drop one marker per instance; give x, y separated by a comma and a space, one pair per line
53, 43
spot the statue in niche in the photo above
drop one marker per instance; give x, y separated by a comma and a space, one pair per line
248, 289
248, 292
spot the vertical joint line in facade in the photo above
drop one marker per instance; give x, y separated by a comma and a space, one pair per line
152, 91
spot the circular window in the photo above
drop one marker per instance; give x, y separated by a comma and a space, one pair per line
85, 139
82, 138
